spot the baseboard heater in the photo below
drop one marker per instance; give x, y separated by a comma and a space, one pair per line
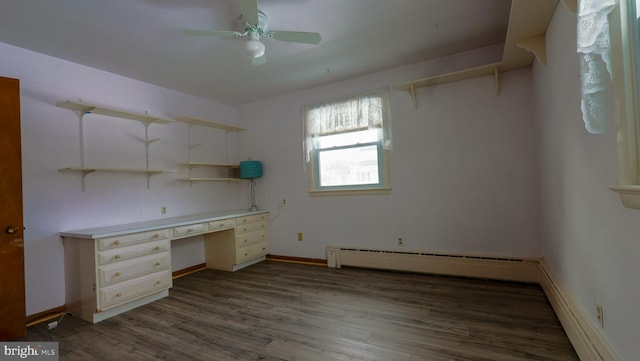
507, 269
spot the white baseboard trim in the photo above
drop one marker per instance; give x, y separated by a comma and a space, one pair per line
585, 338
506, 269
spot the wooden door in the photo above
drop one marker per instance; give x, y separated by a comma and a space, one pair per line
12, 296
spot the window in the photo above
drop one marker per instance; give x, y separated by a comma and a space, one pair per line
346, 144
625, 56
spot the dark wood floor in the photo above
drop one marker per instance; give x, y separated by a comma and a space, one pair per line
283, 311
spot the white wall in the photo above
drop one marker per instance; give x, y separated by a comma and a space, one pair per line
53, 200
589, 238
463, 170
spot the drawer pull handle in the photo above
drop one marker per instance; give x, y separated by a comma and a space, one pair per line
246, 254
245, 241
158, 282
118, 294
244, 229
116, 242
156, 248
244, 221
264, 248
116, 256
156, 236
118, 274
189, 230
156, 264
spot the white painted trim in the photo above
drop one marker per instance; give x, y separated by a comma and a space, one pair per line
588, 342
507, 269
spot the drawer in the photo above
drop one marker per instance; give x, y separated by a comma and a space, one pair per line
264, 217
250, 227
121, 271
223, 224
118, 293
252, 251
139, 250
133, 238
190, 230
251, 237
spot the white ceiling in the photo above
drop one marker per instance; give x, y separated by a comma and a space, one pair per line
143, 39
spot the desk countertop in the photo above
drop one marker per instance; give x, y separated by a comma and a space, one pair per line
152, 225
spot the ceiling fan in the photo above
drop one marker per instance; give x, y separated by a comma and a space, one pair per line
255, 26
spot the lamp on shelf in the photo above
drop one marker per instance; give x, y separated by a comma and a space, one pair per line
251, 170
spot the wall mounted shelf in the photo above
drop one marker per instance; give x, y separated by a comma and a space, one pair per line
230, 167
84, 109
232, 170
210, 124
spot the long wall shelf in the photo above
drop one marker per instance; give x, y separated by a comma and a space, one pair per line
210, 124
232, 173
146, 119
86, 108
116, 170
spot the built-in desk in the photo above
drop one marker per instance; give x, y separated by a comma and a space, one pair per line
109, 270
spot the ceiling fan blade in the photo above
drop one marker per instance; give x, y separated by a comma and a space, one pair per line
294, 36
259, 60
249, 10
223, 33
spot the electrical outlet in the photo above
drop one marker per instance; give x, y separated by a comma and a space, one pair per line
600, 315
400, 242
163, 210
299, 236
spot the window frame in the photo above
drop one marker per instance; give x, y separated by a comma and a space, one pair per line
316, 159
383, 143
625, 99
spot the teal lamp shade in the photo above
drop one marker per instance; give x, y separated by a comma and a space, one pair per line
250, 169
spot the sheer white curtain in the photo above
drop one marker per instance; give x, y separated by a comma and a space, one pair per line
595, 60
361, 112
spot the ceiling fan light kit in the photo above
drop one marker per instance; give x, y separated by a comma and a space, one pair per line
255, 48
255, 24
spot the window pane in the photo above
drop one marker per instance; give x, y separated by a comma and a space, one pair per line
349, 166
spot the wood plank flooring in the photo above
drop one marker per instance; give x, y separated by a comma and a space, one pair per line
284, 311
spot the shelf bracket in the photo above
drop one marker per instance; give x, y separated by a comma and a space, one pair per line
85, 173
412, 91
535, 45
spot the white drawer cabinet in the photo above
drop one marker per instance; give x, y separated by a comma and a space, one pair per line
107, 276
109, 270
232, 250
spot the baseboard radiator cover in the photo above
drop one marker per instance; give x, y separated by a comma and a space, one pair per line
589, 344
506, 269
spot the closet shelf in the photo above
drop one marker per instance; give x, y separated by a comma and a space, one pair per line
210, 124
111, 112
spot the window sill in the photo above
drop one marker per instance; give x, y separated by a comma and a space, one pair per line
629, 195
351, 192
